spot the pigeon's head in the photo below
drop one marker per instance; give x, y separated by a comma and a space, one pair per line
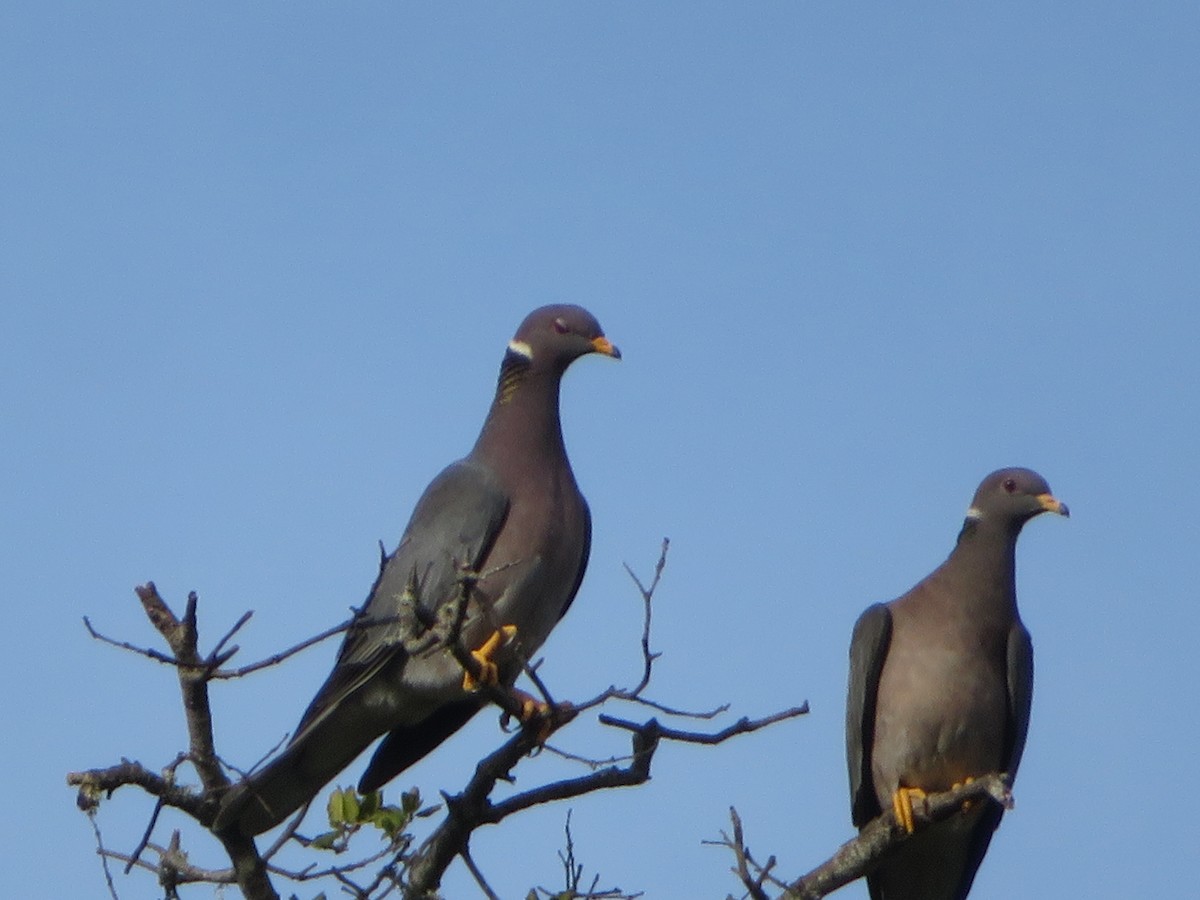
553, 337
1012, 497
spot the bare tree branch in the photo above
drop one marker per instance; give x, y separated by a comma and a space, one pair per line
103, 854
172, 858
276, 658
194, 673
752, 874
741, 726
478, 875
95, 782
182, 636
416, 874
146, 835
857, 857
573, 878
647, 596
470, 809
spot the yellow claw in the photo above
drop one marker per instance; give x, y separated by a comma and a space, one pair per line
967, 804
489, 672
902, 802
533, 710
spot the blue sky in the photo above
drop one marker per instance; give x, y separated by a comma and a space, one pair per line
259, 263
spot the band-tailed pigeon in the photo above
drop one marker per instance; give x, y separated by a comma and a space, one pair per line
510, 512
941, 682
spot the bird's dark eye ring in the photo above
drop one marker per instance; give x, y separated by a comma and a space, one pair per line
560, 326
1010, 484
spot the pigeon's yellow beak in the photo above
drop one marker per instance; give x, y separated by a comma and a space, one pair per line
1049, 504
605, 346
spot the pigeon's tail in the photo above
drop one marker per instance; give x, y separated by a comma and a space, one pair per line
291, 779
940, 862
268, 797
405, 745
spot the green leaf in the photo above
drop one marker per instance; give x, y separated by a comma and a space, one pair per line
390, 820
369, 805
343, 807
337, 809
326, 841
410, 801
350, 804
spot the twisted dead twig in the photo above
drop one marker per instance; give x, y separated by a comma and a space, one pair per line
472, 808
573, 881
649, 657
752, 873
94, 783
413, 873
182, 636
219, 656
647, 593
194, 672
170, 857
743, 725
108, 879
857, 857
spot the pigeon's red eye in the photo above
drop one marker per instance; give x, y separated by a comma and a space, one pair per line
560, 326
1010, 484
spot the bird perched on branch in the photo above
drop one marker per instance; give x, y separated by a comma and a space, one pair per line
941, 681
492, 557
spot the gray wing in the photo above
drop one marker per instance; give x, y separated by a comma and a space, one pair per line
1020, 694
454, 524
405, 744
585, 552
868, 649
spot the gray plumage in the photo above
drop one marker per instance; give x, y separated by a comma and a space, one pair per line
941, 682
511, 510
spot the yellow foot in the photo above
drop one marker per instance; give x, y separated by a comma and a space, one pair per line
532, 708
489, 673
902, 802
967, 804
536, 714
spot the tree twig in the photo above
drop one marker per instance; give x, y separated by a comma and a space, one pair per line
858, 856
417, 873
472, 808
743, 725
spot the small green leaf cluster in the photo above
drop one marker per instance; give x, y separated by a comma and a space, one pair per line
350, 811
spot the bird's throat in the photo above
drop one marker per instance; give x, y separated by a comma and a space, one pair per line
513, 370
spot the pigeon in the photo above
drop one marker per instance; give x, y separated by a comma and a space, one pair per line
496, 548
941, 682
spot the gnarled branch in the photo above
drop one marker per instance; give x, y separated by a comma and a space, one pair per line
418, 872
860, 855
